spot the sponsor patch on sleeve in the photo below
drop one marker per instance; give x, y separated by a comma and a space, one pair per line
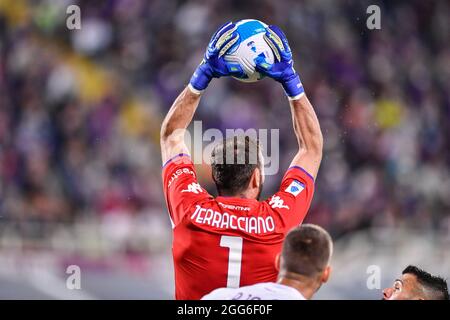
295, 188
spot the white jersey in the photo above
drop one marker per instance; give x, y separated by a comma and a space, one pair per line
260, 291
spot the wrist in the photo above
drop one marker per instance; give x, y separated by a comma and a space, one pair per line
297, 97
200, 79
194, 90
293, 87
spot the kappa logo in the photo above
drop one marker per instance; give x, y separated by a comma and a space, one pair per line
295, 188
277, 203
194, 188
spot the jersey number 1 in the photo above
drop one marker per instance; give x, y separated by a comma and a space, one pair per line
234, 259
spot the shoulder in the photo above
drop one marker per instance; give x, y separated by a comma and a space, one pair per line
220, 294
283, 292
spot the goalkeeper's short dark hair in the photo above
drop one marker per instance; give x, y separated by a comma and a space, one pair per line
434, 287
233, 161
307, 250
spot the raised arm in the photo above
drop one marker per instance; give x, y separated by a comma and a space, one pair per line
306, 124
175, 123
309, 136
180, 114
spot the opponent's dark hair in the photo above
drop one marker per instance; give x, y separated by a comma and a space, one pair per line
307, 250
233, 161
435, 287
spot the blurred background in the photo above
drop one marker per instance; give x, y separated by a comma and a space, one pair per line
80, 113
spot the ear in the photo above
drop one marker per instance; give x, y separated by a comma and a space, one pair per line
255, 180
277, 262
326, 274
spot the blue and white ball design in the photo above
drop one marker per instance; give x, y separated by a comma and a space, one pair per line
248, 48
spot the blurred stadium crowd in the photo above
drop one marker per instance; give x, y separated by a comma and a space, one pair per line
80, 110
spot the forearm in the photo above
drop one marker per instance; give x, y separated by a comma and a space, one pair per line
180, 114
308, 133
176, 122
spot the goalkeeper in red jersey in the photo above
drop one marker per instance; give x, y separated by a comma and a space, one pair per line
232, 240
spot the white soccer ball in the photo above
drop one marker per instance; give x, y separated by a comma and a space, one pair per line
246, 50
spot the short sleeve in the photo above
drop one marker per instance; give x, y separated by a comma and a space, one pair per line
291, 202
181, 188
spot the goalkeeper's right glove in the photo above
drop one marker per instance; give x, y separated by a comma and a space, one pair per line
213, 64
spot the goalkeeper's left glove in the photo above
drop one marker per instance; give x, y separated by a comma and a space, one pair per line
282, 69
213, 64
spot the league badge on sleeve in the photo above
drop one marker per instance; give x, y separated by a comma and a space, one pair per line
295, 187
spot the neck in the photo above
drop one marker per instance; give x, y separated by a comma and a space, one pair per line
247, 194
306, 286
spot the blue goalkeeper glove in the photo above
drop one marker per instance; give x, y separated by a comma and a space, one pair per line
213, 64
282, 69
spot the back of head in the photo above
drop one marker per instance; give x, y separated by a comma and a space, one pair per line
233, 162
307, 251
429, 287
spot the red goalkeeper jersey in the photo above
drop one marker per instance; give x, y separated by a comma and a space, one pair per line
226, 241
